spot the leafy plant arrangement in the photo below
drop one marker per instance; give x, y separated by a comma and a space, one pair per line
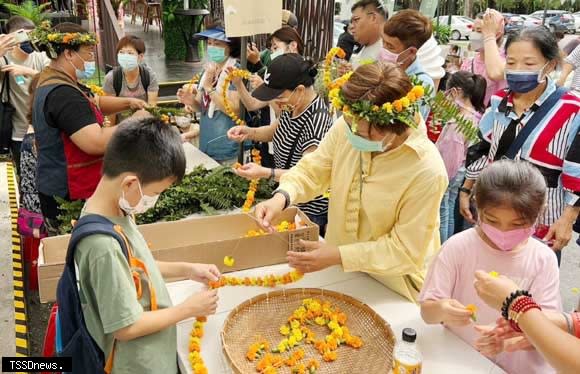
166, 114
446, 111
201, 191
28, 9
442, 32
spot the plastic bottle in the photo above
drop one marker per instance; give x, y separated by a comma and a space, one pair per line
407, 357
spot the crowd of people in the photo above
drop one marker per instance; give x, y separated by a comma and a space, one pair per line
440, 219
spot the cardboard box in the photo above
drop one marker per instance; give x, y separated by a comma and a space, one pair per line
203, 240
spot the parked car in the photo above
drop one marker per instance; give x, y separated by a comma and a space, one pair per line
558, 20
461, 26
530, 21
513, 22
576, 22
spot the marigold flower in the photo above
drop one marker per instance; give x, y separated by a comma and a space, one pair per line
229, 261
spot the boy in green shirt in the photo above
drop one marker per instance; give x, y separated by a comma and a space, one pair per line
144, 158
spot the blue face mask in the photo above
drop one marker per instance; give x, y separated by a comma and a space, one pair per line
216, 54
524, 81
127, 62
89, 69
364, 145
26, 47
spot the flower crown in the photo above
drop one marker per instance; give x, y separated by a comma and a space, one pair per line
44, 35
401, 110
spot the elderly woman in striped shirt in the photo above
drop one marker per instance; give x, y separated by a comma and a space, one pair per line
289, 82
535, 121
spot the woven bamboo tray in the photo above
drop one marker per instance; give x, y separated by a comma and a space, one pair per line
262, 316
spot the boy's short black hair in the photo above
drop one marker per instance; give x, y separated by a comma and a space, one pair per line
147, 147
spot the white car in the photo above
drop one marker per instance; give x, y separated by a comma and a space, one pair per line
577, 22
530, 21
461, 27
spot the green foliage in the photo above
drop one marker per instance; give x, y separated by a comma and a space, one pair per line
176, 33
442, 33
69, 212
201, 191
28, 9
446, 111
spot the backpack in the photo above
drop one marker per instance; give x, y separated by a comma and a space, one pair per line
72, 336
118, 79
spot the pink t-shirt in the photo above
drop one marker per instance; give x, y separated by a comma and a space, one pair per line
534, 268
476, 65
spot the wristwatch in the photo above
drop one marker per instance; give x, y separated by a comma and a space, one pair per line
465, 190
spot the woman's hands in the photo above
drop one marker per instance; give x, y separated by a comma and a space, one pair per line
253, 171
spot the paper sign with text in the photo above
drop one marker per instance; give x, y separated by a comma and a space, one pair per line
251, 17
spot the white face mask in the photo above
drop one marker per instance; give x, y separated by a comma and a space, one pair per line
144, 204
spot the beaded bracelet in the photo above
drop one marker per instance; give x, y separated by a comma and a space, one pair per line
509, 300
519, 308
576, 323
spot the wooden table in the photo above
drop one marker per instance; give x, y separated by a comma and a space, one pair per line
190, 42
443, 352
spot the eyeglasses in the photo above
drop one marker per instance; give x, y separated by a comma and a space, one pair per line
355, 20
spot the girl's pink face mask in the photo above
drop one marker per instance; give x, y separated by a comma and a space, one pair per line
506, 240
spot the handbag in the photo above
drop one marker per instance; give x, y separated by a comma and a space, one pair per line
31, 224
6, 113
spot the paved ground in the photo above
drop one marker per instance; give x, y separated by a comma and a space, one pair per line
7, 347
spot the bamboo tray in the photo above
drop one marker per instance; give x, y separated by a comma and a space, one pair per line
262, 316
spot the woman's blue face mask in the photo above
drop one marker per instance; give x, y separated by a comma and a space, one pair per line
365, 145
524, 81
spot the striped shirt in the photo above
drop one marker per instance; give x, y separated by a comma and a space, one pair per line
574, 60
551, 146
302, 132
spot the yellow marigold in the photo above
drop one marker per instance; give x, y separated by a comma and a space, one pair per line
418, 91
388, 107
494, 274
52, 37
411, 96
473, 309
376, 108
229, 261
68, 38
285, 330
406, 102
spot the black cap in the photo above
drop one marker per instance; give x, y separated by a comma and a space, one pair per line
409, 335
286, 72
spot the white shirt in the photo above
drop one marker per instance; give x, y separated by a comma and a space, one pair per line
367, 53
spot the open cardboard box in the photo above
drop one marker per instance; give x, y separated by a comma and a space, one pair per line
201, 240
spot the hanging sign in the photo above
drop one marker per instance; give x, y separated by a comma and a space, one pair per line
251, 17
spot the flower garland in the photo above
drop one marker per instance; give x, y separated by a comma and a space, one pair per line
254, 183
328, 65
195, 359
269, 281
96, 90
296, 332
44, 35
400, 110
237, 73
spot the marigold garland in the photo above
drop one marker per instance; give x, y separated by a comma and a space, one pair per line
269, 281
237, 73
250, 196
44, 35
195, 359
96, 90
328, 64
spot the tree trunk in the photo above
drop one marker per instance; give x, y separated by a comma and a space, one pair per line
468, 8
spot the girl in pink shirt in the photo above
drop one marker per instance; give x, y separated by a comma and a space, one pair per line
510, 196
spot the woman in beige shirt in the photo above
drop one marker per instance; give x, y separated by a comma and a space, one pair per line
386, 181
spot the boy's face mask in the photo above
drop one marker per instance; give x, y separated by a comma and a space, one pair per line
145, 203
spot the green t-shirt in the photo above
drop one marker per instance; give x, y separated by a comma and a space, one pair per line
109, 300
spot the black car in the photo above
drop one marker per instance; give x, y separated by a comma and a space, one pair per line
513, 22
